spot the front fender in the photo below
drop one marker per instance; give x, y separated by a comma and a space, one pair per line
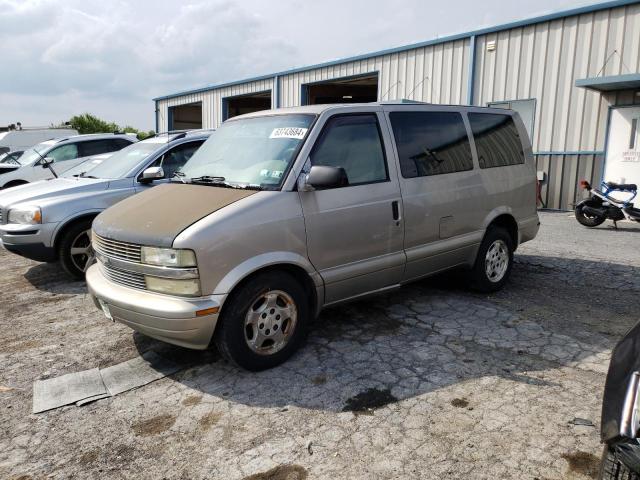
269, 259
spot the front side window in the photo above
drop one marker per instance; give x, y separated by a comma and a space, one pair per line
497, 140
64, 152
431, 143
250, 152
353, 142
174, 159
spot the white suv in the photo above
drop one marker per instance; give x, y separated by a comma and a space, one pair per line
63, 153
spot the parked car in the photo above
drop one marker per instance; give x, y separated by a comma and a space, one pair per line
283, 212
50, 220
620, 422
24, 138
63, 153
11, 157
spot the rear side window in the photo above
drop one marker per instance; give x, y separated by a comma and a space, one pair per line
96, 147
497, 140
353, 142
431, 143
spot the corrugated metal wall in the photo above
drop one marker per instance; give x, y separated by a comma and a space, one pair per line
543, 61
435, 74
211, 102
540, 61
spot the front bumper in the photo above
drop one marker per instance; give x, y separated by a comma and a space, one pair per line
30, 241
164, 317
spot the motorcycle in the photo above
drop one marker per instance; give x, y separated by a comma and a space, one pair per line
602, 205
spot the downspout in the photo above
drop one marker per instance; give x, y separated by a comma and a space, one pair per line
276, 90
471, 74
156, 102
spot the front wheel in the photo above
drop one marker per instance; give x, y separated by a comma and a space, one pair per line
493, 262
74, 249
586, 219
612, 468
263, 322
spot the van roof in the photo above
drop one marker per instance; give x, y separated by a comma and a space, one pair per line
318, 109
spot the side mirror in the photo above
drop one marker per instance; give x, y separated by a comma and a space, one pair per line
321, 177
152, 173
46, 161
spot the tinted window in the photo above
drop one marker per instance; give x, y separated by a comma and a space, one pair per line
64, 152
353, 142
172, 160
497, 140
431, 143
96, 147
121, 143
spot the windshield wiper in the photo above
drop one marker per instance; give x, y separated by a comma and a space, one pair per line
220, 182
208, 179
180, 175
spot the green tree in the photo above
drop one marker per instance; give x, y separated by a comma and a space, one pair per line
87, 123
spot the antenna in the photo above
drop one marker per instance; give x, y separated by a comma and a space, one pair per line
417, 85
389, 89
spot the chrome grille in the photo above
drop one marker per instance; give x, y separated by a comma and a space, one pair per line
122, 277
1, 217
116, 249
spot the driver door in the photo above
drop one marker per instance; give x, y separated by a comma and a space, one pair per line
355, 233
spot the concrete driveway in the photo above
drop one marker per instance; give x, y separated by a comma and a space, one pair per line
431, 381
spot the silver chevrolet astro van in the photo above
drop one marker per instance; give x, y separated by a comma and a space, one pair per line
281, 213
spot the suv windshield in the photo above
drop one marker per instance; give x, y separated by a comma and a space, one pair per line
123, 161
35, 153
254, 151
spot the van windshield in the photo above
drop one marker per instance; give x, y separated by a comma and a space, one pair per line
249, 152
35, 153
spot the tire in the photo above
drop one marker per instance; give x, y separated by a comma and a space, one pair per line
612, 468
496, 248
74, 238
245, 340
586, 220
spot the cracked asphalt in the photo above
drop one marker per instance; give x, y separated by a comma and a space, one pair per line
431, 381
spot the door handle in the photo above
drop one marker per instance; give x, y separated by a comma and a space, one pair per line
395, 210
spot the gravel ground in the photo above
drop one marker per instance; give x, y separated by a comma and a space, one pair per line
431, 381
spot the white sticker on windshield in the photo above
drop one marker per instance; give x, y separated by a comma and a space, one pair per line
276, 173
289, 132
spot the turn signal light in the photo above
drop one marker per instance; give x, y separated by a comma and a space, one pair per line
207, 311
584, 184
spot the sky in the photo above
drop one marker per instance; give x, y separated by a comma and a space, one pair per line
60, 58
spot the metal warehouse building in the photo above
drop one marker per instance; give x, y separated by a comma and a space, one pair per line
573, 76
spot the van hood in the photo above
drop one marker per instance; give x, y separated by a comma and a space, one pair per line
45, 189
156, 217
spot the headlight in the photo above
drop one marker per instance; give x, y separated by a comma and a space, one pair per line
25, 215
168, 257
188, 288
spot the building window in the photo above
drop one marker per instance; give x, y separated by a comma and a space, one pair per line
526, 109
497, 140
431, 143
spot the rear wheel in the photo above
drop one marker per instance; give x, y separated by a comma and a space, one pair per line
493, 262
612, 468
264, 322
586, 219
74, 249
